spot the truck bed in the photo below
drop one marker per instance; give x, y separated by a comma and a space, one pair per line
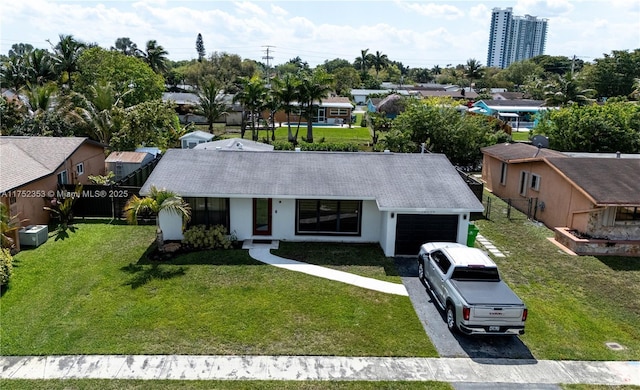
486, 293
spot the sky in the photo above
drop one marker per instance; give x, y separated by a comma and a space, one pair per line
420, 34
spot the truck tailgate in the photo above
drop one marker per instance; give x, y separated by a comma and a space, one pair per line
486, 293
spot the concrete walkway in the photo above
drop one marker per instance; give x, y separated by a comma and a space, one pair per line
296, 368
261, 252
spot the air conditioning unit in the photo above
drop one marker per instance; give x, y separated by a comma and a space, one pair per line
33, 235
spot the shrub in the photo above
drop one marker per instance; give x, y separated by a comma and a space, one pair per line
199, 237
6, 266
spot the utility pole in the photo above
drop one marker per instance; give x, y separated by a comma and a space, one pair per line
268, 57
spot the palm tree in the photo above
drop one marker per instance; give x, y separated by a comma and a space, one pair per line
313, 88
252, 96
286, 92
380, 61
436, 70
67, 53
40, 67
211, 103
99, 112
157, 201
565, 90
473, 70
14, 73
363, 61
125, 46
156, 56
40, 98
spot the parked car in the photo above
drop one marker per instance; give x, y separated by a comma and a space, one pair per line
466, 283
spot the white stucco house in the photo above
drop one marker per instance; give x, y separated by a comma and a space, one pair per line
397, 200
190, 140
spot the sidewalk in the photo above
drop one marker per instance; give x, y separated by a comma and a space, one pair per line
319, 368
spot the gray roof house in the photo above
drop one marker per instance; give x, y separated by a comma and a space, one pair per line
190, 140
397, 200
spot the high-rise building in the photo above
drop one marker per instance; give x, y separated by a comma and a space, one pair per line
514, 38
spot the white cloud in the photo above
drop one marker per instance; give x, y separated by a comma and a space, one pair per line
433, 10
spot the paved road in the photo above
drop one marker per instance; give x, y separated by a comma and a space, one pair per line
447, 344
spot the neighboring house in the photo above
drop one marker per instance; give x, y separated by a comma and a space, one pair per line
505, 95
124, 163
334, 110
520, 113
187, 102
32, 168
190, 140
459, 94
235, 144
592, 199
397, 200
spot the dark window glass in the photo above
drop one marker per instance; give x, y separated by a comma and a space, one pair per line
209, 211
330, 217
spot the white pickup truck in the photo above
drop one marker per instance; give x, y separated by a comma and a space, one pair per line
466, 284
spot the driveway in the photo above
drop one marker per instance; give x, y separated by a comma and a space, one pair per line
448, 344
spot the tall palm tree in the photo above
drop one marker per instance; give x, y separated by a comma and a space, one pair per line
211, 102
473, 70
66, 56
286, 92
436, 70
313, 88
363, 61
156, 56
380, 61
157, 201
252, 96
127, 47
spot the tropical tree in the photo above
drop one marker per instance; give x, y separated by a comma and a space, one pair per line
19, 49
66, 56
127, 47
155, 56
286, 92
312, 89
252, 96
565, 90
40, 67
211, 102
157, 201
202, 53
380, 61
9, 224
124, 73
473, 70
14, 73
363, 62
436, 70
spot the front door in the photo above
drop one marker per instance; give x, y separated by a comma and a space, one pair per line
262, 216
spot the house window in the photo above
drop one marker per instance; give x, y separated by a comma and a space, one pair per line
523, 183
631, 213
503, 173
209, 211
62, 177
328, 217
80, 169
535, 182
338, 112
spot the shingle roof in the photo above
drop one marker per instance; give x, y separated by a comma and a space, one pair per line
25, 159
514, 102
519, 152
199, 134
614, 181
395, 181
235, 144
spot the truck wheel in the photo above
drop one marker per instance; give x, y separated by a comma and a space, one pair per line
451, 318
420, 270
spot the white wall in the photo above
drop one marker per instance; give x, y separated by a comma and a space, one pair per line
171, 225
241, 218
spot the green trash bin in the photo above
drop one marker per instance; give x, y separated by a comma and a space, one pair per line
472, 234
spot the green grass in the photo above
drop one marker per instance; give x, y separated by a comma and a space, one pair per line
104, 384
94, 293
576, 303
361, 259
520, 136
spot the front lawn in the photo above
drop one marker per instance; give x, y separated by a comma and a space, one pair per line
95, 293
576, 303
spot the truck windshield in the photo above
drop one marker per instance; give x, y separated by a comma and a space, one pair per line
464, 273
